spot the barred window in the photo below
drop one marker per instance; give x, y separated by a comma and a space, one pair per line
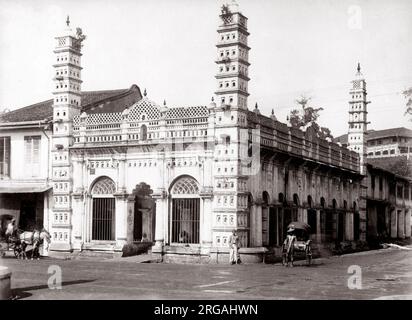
103, 210
185, 221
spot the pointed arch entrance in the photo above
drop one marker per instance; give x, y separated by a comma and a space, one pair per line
103, 209
185, 220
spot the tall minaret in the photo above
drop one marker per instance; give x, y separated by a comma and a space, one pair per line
66, 104
232, 135
233, 55
358, 123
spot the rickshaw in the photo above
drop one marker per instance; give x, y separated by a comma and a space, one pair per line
297, 242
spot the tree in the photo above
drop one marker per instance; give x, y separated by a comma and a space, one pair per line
408, 96
307, 117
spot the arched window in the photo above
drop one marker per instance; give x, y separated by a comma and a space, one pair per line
103, 209
265, 198
322, 202
143, 132
281, 198
310, 202
185, 211
295, 199
104, 186
186, 186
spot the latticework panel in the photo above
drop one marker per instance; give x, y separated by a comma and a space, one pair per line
185, 185
103, 118
145, 108
76, 120
104, 185
190, 112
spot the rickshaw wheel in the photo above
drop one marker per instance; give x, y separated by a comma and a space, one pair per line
17, 253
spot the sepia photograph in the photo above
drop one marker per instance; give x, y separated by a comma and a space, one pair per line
205, 150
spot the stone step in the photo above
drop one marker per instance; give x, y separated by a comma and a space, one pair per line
89, 254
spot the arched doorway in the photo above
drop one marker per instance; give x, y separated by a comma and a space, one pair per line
144, 213
103, 209
185, 211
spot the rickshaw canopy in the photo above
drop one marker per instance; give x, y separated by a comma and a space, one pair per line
298, 225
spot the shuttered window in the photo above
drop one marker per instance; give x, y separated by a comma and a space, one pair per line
32, 155
4, 157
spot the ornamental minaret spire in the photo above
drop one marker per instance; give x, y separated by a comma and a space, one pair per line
358, 123
233, 58
66, 104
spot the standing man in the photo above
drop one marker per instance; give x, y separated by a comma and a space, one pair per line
10, 231
234, 245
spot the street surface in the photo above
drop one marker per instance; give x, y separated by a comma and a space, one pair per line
386, 274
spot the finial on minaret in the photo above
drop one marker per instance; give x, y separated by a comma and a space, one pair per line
272, 116
358, 67
144, 92
256, 109
164, 102
213, 99
68, 21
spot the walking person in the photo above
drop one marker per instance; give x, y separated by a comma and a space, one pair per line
234, 245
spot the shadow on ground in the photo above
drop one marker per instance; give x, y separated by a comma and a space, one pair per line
22, 293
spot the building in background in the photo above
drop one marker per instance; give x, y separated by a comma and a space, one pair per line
393, 142
386, 187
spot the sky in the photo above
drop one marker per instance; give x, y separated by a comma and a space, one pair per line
298, 47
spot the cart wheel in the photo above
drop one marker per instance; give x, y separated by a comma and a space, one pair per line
17, 253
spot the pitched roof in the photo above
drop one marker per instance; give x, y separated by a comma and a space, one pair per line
103, 101
379, 134
399, 165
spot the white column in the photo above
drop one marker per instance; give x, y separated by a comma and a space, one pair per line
408, 223
77, 203
78, 212
401, 223
121, 220
349, 226
122, 175
303, 215
206, 219
46, 220
394, 223
161, 217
